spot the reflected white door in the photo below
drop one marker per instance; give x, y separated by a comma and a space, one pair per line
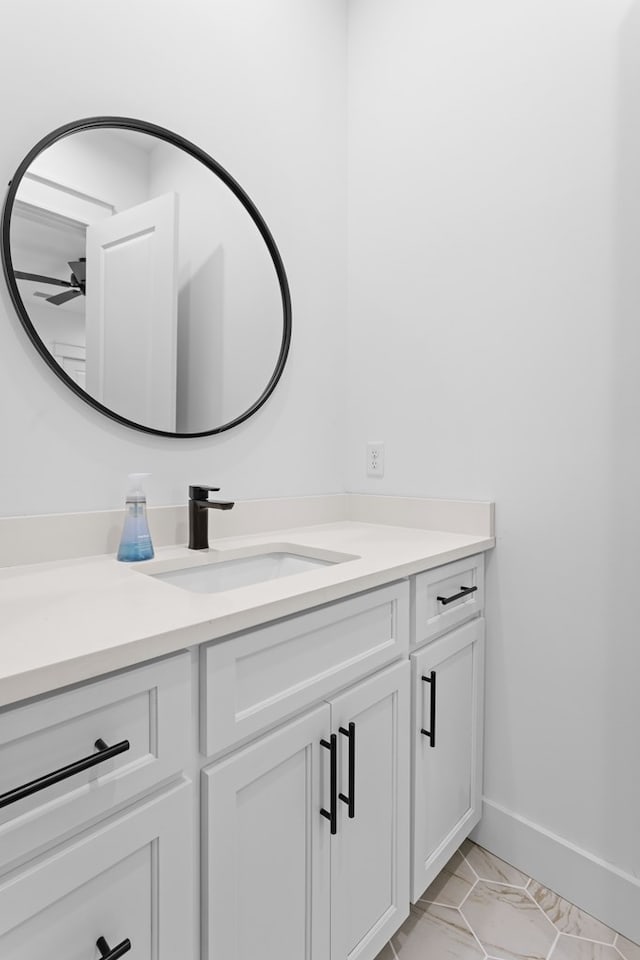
132, 311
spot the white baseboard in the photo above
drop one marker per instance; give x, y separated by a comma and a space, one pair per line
599, 888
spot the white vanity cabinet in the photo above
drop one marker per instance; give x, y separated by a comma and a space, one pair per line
307, 839
447, 726
334, 758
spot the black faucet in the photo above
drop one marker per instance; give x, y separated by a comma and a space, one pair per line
199, 505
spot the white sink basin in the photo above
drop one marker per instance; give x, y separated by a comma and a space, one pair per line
234, 569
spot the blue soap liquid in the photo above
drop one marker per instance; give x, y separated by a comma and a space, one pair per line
135, 543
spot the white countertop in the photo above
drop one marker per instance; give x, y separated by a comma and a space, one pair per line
67, 621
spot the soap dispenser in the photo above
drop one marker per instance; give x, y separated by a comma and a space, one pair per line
135, 543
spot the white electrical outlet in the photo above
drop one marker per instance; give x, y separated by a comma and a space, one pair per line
375, 458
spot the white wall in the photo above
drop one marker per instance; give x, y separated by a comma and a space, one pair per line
261, 87
494, 298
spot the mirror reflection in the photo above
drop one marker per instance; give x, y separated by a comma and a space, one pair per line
147, 280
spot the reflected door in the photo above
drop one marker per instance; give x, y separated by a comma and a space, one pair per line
131, 312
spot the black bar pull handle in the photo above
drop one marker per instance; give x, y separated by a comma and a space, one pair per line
107, 954
332, 815
351, 799
34, 786
464, 592
431, 734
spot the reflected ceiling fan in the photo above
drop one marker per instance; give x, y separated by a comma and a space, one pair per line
76, 285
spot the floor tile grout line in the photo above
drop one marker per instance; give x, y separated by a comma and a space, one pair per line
617, 941
553, 945
493, 857
393, 950
438, 903
473, 871
554, 926
472, 931
467, 895
617, 948
503, 883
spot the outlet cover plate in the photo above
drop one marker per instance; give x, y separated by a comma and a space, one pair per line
375, 458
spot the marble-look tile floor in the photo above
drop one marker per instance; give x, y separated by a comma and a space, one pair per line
480, 908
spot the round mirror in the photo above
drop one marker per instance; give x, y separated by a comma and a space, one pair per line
146, 277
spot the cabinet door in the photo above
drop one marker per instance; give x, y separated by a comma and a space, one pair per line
267, 847
129, 882
370, 853
448, 688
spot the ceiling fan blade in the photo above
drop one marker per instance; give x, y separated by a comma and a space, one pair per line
63, 297
79, 269
38, 278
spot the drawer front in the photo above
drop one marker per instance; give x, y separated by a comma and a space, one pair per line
256, 679
130, 880
445, 597
146, 708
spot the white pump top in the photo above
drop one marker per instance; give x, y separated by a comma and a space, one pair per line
136, 492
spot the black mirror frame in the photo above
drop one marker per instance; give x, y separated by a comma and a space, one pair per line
141, 126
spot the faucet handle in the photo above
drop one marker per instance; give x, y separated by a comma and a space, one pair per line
201, 492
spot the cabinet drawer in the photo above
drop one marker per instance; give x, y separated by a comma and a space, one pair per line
252, 681
445, 597
130, 880
146, 708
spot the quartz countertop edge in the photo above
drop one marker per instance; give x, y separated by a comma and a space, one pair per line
65, 622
